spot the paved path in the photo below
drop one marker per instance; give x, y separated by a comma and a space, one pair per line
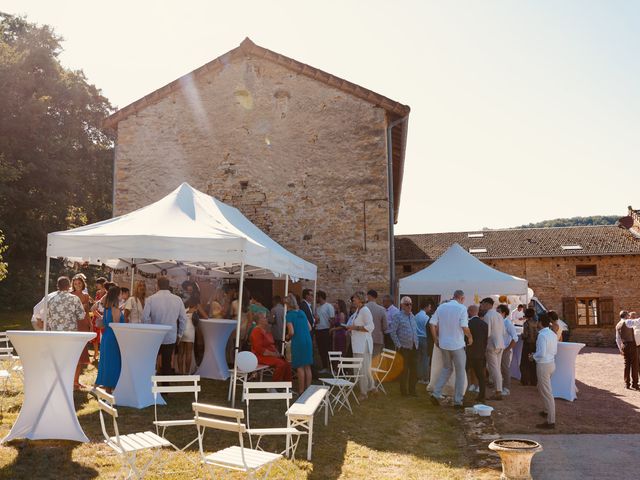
585, 457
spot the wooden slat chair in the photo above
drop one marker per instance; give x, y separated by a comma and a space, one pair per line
189, 384
334, 359
381, 371
127, 446
258, 391
341, 387
236, 458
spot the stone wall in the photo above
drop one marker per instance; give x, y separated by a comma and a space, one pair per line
554, 278
300, 159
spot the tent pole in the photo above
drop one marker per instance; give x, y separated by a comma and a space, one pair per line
284, 323
315, 285
133, 274
46, 292
238, 326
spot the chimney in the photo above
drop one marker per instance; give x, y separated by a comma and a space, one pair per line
635, 215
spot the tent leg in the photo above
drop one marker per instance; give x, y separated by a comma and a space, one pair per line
315, 286
284, 323
237, 349
46, 290
133, 274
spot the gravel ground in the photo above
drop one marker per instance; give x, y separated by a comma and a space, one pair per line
603, 404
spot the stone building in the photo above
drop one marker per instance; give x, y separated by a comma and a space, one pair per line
586, 274
313, 160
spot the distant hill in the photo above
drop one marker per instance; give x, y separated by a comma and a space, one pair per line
575, 222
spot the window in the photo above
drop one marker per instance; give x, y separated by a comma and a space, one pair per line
406, 268
475, 235
571, 247
477, 250
586, 271
587, 310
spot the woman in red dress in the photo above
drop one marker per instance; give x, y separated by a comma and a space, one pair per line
264, 347
78, 288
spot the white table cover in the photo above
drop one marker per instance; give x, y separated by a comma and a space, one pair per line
216, 335
514, 368
139, 344
436, 367
49, 361
563, 380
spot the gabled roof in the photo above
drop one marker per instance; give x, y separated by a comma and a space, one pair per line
395, 110
521, 243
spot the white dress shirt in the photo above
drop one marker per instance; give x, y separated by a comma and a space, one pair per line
509, 332
165, 308
633, 323
546, 346
517, 316
451, 318
495, 321
359, 340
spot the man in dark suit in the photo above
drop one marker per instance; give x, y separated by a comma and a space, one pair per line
306, 305
476, 352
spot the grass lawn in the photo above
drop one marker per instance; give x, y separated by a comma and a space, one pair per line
386, 438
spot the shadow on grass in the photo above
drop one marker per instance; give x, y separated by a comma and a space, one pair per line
45, 459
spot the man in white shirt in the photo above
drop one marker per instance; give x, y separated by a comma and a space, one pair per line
545, 357
517, 315
165, 308
449, 326
625, 339
325, 315
495, 344
510, 340
379, 314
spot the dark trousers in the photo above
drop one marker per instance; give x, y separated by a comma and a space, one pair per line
323, 340
166, 351
409, 375
630, 352
479, 367
528, 374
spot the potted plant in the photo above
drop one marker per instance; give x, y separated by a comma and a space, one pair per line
516, 455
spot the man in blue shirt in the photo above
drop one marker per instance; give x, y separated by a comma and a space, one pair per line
422, 320
404, 333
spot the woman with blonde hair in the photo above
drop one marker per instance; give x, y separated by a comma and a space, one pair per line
299, 332
78, 288
134, 306
361, 325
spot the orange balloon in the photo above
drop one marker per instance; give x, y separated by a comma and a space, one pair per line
396, 368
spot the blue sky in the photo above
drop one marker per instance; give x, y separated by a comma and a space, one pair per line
521, 110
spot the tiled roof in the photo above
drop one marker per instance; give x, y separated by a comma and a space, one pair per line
397, 112
521, 243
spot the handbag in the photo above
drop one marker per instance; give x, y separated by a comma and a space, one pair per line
287, 351
195, 318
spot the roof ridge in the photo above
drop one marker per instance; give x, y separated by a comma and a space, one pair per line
515, 229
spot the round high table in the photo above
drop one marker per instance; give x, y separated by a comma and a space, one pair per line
563, 380
49, 361
216, 335
436, 367
139, 344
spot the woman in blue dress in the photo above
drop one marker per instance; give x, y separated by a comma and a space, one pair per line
298, 331
110, 362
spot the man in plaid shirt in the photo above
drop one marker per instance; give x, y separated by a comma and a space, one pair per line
404, 333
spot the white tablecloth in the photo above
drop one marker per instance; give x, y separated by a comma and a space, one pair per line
49, 360
216, 335
436, 367
139, 344
515, 360
563, 380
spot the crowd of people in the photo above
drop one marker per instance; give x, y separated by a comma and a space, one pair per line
476, 342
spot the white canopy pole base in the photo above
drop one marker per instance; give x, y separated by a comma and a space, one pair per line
237, 349
284, 320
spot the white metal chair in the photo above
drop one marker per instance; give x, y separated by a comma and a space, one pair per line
189, 384
257, 391
334, 359
341, 387
381, 371
236, 458
127, 446
6, 355
242, 377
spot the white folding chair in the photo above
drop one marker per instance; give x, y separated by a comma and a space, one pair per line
242, 377
258, 391
7, 360
334, 359
236, 458
188, 384
341, 387
380, 372
127, 446
6, 355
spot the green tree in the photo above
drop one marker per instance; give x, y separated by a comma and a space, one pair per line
575, 221
55, 161
3, 265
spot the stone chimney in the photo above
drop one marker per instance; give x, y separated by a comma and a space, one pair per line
635, 215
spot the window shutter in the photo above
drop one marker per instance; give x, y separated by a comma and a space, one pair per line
607, 316
569, 311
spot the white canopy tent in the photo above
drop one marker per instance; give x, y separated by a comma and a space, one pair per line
187, 227
457, 269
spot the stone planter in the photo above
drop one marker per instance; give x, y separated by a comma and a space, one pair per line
516, 455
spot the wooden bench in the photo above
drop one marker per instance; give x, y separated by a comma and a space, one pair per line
301, 413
